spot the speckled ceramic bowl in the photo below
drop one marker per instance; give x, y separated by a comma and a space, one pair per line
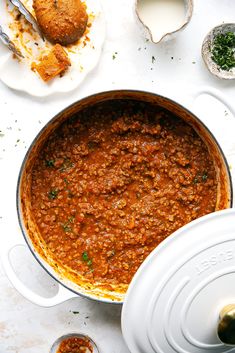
207, 48
56, 344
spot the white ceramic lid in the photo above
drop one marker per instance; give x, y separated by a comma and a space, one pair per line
174, 300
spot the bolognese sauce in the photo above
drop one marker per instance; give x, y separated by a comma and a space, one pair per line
114, 181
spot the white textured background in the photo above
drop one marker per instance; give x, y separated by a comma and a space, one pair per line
177, 72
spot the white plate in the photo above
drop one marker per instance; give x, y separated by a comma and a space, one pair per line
83, 56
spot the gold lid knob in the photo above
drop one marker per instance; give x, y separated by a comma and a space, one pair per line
226, 326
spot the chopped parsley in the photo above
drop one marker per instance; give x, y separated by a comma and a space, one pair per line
66, 165
85, 256
223, 50
66, 227
87, 259
52, 194
71, 219
50, 163
66, 181
114, 55
200, 177
204, 176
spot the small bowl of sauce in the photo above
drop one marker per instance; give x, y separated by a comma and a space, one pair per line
74, 343
162, 19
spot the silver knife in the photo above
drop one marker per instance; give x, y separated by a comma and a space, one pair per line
6, 40
29, 17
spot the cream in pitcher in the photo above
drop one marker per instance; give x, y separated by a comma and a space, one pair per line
163, 17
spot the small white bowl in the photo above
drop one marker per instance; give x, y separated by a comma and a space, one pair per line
207, 47
164, 34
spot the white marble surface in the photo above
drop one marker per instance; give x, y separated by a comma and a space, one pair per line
174, 69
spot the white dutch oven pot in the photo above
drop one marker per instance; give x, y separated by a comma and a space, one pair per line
180, 298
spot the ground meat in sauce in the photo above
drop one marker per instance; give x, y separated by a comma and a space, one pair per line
113, 182
75, 345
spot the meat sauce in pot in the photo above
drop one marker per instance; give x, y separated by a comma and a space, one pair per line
114, 181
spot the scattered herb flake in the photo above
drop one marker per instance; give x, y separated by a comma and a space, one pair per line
75, 312
50, 163
66, 227
200, 177
204, 176
66, 165
85, 256
153, 59
88, 261
66, 181
52, 194
71, 219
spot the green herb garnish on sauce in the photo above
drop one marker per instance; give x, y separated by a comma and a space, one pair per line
204, 176
86, 258
50, 163
66, 227
223, 50
52, 194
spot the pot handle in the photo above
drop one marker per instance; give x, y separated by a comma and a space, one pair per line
216, 94
62, 295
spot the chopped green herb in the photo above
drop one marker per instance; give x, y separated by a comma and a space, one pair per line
50, 163
89, 262
71, 219
204, 176
52, 194
66, 227
66, 181
200, 177
153, 59
223, 50
75, 312
85, 256
114, 55
66, 165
